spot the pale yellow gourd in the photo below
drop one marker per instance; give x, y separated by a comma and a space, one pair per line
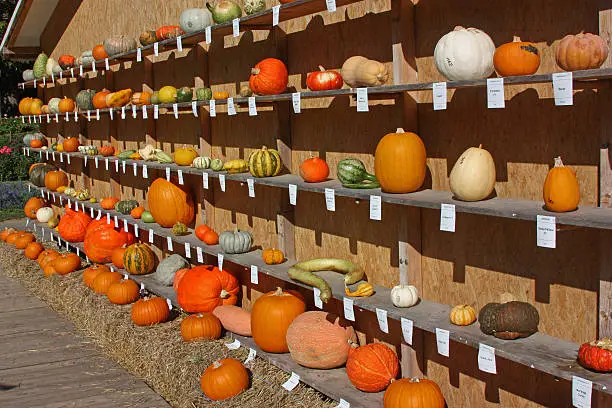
359, 71
473, 176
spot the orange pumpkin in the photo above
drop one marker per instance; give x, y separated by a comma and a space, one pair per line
73, 225
98, 52
561, 189
137, 212
71, 144
92, 272
106, 151
123, 292
201, 230
170, 203
66, 263
372, 367
101, 239
167, 32
273, 256
400, 162
33, 205
66, 61
117, 256
177, 278
203, 288
11, 238
224, 379
108, 203
271, 316
36, 143
49, 269
46, 256
516, 58
33, 250
149, 311
23, 239
269, 77
6, 232
413, 393
55, 179
211, 238
581, 51
220, 95
200, 326
104, 279
66, 105
141, 98
99, 99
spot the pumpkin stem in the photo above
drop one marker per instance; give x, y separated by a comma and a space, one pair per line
400, 130
415, 380
216, 364
321, 68
480, 146
458, 28
516, 38
255, 71
279, 291
224, 294
558, 162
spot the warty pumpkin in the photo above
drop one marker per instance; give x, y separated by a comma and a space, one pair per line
371, 368
90, 274
224, 379
581, 51
234, 319
205, 287
55, 179
149, 311
364, 289
33, 250
32, 206
516, 58
473, 175
167, 268
318, 340
138, 259
509, 320
104, 279
561, 188
148, 38
201, 326
73, 225
170, 203
102, 238
273, 256
400, 162
271, 316
413, 393
358, 71
124, 292
269, 77
67, 61
119, 44
119, 98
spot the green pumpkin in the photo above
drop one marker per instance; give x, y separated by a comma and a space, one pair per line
147, 38
125, 206
201, 162
216, 164
163, 157
224, 11
155, 98
203, 94
84, 99
265, 162
254, 6
352, 174
38, 173
147, 217
184, 94
126, 154
40, 66
180, 229
235, 242
510, 320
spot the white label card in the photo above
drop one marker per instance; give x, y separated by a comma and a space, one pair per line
125, 225
251, 186
135, 166
106, 64
495, 93
439, 96
97, 114
138, 54
581, 392
222, 182
563, 88
296, 100
134, 113
205, 180
155, 111
67, 117
330, 199
251, 356
349, 312
383, 323
93, 66
235, 345
442, 341
292, 382
447, 217
136, 230
275, 15
187, 250
252, 106
236, 27
61, 156
362, 100
175, 110
68, 157
145, 172
213, 108
220, 261
375, 207
486, 359
80, 70
331, 5
111, 112
99, 215
208, 33
168, 173
293, 194
180, 177
407, 328
96, 161
145, 114
108, 217
150, 236
231, 108
199, 254
254, 275
116, 222
169, 302
194, 108
91, 212
106, 164
156, 49
123, 112
123, 164
317, 298
169, 243
88, 115
546, 231
179, 43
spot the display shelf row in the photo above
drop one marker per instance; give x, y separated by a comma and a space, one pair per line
584, 216
580, 78
541, 352
263, 20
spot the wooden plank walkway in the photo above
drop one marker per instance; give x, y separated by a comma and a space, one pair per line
45, 363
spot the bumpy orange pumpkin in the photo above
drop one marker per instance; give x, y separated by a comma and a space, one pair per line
46, 256
170, 203
581, 51
273, 256
372, 367
101, 239
90, 274
73, 225
561, 189
108, 203
269, 77
200, 326
516, 58
413, 393
33, 205
124, 292
149, 311
400, 162
224, 379
203, 288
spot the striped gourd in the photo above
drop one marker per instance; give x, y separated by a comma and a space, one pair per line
202, 162
265, 162
138, 259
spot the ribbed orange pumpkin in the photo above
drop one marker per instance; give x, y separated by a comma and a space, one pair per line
269, 77
318, 340
66, 263
55, 179
149, 311
66, 105
5, 232
11, 238
90, 274
117, 257
124, 292
400, 162
203, 288
170, 203
372, 367
32, 205
99, 99
271, 316
200, 326
224, 379
561, 189
24, 239
33, 250
102, 282
581, 51
101, 239
73, 225
413, 393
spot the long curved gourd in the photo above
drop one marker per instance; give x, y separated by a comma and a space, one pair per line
303, 272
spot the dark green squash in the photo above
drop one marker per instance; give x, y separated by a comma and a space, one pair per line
38, 173
125, 206
352, 174
510, 320
184, 94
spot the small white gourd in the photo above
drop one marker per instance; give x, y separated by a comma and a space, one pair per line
465, 54
44, 214
404, 295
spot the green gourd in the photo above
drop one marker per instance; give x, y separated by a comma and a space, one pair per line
224, 11
216, 164
125, 206
155, 98
147, 217
202, 162
352, 174
126, 154
204, 94
40, 66
303, 272
163, 157
180, 229
84, 99
184, 94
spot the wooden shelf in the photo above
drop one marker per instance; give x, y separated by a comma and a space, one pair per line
541, 352
585, 216
257, 21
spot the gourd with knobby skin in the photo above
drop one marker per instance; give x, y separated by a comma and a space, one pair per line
473, 175
125, 206
462, 315
303, 272
273, 256
596, 355
561, 188
254, 6
400, 162
352, 174
119, 98
236, 241
40, 65
245, 91
359, 71
404, 295
371, 368
465, 54
510, 320
203, 288
516, 58
203, 94
184, 94
73, 225
180, 229
413, 393
195, 19
224, 11
581, 51
216, 164
236, 166
224, 379
234, 319
66, 61
265, 162
364, 289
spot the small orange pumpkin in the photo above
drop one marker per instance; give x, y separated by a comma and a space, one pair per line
98, 52
92, 272
124, 292
108, 203
516, 58
33, 205
104, 280
273, 256
220, 95
224, 379
24, 239
66, 263
137, 212
71, 144
99, 99
36, 143
561, 189
46, 256
201, 326
6, 232
211, 238
413, 392
149, 311
66, 105
33, 250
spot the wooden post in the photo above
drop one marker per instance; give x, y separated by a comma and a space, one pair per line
206, 208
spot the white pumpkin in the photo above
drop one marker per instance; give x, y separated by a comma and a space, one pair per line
473, 176
202, 162
51, 67
54, 105
465, 54
195, 19
404, 295
44, 214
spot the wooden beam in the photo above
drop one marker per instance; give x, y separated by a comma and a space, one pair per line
57, 24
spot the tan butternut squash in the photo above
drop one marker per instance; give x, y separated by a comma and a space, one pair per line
359, 71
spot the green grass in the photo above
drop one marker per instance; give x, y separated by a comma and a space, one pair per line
11, 213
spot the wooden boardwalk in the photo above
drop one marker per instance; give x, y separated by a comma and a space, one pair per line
45, 363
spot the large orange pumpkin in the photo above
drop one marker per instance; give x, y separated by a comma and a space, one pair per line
46, 256
73, 225
269, 77
581, 51
516, 58
400, 162
55, 179
271, 316
170, 203
224, 379
33, 205
149, 311
92, 272
413, 393
203, 288
372, 367
99, 99
318, 340
124, 292
102, 238
561, 189
117, 257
